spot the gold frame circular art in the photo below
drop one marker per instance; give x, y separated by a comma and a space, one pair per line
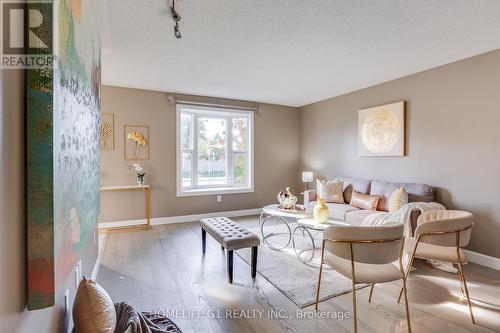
380, 131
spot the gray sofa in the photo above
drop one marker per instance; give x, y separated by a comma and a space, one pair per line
355, 216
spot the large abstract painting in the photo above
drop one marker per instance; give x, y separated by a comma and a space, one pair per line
381, 130
63, 171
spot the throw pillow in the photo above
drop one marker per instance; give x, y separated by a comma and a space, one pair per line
330, 191
398, 199
93, 310
364, 201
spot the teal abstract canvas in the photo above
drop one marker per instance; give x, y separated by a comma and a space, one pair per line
63, 107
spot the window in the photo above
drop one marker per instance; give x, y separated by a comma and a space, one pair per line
214, 150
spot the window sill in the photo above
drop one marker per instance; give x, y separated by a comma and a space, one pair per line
214, 191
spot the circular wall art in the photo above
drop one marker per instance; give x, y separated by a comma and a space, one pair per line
381, 130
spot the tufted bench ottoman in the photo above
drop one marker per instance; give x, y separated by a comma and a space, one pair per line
231, 237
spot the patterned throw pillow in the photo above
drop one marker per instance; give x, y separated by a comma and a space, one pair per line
330, 191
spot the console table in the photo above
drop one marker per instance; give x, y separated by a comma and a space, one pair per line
147, 190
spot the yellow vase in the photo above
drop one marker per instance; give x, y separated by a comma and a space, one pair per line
320, 211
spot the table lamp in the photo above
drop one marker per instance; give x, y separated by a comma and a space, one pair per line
307, 177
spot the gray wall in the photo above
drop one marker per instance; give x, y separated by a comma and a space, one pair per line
13, 314
453, 137
275, 163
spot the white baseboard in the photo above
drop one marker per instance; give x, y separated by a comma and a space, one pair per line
197, 217
180, 218
482, 259
126, 223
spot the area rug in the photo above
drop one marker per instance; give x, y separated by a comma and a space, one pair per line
293, 278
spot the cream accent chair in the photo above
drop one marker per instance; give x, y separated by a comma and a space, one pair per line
364, 254
440, 235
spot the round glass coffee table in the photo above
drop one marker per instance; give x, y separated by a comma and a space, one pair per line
304, 233
282, 230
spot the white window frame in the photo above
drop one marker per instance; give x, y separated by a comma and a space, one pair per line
218, 113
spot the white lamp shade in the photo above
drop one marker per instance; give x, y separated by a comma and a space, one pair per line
307, 176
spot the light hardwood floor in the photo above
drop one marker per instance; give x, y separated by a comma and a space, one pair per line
163, 270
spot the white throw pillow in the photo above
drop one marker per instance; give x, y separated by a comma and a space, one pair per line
330, 191
398, 199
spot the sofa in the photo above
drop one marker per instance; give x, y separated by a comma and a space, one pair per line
355, 216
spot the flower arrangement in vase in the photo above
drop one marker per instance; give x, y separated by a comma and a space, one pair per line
139, 171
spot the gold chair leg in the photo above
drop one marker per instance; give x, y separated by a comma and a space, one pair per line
320, 273
319, 284
355, 319
410, 265
462, 290
407, 307
462, 277
371, 292
353, 278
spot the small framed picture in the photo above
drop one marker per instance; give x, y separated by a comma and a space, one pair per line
136, 142
107, 132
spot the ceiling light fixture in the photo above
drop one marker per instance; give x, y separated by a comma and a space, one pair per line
176, 17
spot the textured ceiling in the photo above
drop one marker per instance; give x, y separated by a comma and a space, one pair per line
285, 51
